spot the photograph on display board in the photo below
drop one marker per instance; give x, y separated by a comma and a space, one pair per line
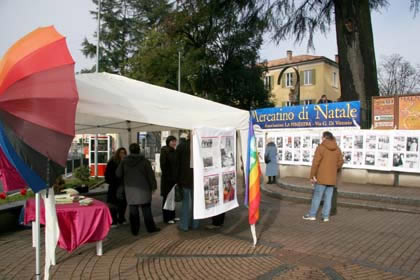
226, 151
279, 155
208, 162
411, 161
399, 143
371, 142
288, 156
211, 190
347, 142
316, 140
229, 186
306, 156
358, 158
383, 142
412, 144
296, 155
279, 142
306, 142
358, 142
260, 142
296, 142
382, 159
206, 143
347, 157
289, 142
370, 158
398, 160
209, 147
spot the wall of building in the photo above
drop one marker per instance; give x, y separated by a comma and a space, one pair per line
322, 83
332, 91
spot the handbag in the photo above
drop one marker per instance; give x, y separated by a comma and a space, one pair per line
170, 200
267, 159
179, 193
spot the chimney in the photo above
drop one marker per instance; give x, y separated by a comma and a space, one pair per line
289, 55
336, 58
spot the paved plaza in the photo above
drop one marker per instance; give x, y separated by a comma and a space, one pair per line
355, 244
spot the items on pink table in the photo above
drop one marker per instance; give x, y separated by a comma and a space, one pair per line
78, 224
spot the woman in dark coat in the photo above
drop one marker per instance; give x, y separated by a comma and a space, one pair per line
168, 166
139, 184
118, 204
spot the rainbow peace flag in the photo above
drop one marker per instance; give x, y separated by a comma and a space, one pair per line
253, 172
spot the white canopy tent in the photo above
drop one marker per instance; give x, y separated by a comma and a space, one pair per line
111, 103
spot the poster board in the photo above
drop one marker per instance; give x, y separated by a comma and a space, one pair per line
383, 113
409, 112
387, 150
215, 180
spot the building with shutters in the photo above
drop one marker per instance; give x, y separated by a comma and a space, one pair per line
308, 76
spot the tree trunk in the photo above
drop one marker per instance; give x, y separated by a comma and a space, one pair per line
356, 50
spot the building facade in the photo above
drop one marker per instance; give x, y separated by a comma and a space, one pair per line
302, 79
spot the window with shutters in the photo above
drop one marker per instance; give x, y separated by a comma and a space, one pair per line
268, 82
308, 77
289, 79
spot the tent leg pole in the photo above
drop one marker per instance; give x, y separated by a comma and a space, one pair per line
38, 238
96, 155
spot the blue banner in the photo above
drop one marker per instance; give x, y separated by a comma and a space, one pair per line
339, 114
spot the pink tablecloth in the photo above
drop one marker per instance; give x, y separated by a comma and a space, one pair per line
78, 224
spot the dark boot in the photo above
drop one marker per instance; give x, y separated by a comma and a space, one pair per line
274, 180
269, 180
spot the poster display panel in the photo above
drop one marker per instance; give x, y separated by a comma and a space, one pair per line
214, 161
388, 150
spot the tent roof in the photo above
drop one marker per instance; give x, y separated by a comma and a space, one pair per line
108, 101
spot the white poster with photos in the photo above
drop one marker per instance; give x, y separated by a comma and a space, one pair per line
215, 182
387, 150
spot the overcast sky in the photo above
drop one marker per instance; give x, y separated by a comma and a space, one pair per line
395, 30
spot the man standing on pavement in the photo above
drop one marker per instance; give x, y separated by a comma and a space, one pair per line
139, 183
185, 180
328, 159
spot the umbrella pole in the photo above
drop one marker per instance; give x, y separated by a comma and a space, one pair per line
38, 239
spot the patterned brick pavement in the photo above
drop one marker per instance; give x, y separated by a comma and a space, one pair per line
356, 244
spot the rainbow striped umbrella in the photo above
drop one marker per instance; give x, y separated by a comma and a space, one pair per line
38, 99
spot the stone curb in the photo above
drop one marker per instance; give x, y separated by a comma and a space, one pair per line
301, 199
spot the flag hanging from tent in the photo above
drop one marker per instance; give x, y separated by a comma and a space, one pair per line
253, 193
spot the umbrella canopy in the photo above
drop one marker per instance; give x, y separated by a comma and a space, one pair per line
38, 99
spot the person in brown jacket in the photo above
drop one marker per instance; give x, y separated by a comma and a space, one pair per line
327, 161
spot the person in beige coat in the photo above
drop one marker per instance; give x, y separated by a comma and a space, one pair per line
327, 161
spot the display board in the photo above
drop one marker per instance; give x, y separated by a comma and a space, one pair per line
409, 112
383, 112
337, 114
215, 182
364, 149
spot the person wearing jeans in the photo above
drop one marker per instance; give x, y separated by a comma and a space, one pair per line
185, 180
327, 161
320, 191
187, 220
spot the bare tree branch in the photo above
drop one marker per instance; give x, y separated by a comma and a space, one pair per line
396, 76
